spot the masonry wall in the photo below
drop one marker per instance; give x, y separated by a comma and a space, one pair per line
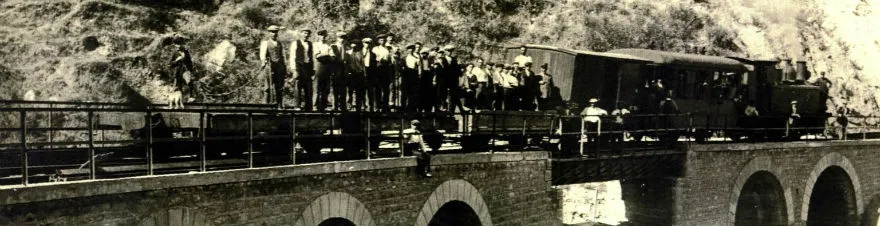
714, 174
514, 187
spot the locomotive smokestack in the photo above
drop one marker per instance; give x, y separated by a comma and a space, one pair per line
802, 73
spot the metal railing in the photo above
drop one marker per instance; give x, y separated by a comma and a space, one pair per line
260, 136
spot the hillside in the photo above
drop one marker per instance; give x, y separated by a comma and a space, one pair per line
117, 50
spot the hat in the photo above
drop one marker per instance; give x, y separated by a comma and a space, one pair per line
414, 122
340, 34
382, 36
794, 102
448, 47
367, 40
544, 66
322, 33
306, 30
593, 100
274, 28
410, 47
425, 52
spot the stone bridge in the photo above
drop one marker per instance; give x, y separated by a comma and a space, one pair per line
467, 189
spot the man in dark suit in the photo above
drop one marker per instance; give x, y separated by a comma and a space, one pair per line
372, 73
339, 76
356, 70
447, 77
302, 60
427, 101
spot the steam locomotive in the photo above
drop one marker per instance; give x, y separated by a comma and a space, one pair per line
711, 92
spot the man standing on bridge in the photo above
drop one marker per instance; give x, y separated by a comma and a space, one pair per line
415, 143
302, 61
272, 55
591, 116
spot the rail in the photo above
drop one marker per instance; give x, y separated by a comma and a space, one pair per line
86, 142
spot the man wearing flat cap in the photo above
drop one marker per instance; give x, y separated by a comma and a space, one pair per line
272, 55
303, 62
339, 78
415, 144
325, 66
356, 70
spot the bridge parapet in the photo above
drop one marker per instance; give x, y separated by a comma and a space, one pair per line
500, 189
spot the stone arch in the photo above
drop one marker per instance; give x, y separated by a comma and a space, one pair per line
336, 205
830, 160
177, 216
454, 190
756, 165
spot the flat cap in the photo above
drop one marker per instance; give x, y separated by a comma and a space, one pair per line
274, 28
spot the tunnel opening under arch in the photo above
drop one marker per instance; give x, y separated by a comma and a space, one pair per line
455, 213
833, 201
336, 221
761, 201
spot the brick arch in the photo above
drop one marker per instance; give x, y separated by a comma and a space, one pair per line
454, 190
757, 164
829, 160
336, 204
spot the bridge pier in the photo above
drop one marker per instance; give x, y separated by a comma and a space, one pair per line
649, 201
793, 183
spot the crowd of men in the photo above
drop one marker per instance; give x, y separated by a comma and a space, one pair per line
376, 75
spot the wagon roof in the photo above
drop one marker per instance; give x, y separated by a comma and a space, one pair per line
683, 59
584, 52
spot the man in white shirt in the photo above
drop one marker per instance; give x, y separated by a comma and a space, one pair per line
382, 74
482, 78
415, 144
324, 59
409, 79
302, 61
591, 116
522, 59
618, 127
510, 85
272, 55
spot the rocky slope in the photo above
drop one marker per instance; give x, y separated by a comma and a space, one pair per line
90, 50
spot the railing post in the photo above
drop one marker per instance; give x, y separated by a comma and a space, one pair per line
400, 136
582, 136
292, 138
24, 151
250, 141
525, 140
149, 126
494, 134
367, 137
91, 130
332, 126
51, 131
203, 166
